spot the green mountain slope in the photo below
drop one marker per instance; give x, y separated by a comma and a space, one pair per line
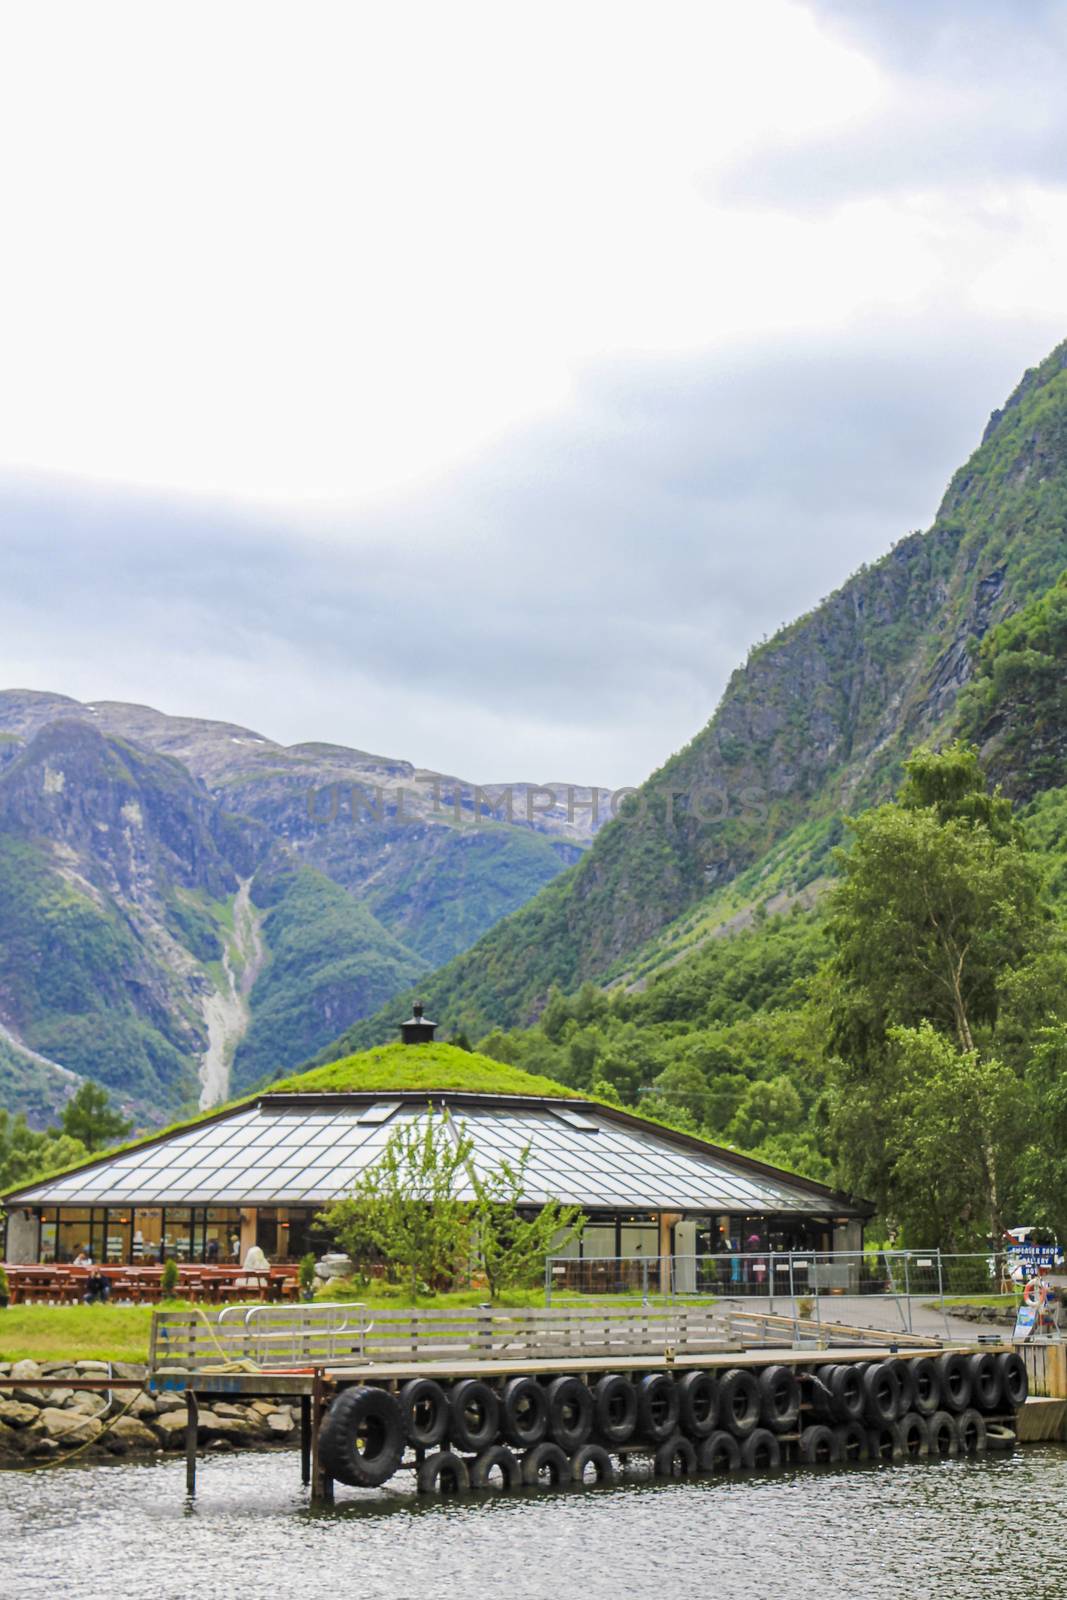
816, 722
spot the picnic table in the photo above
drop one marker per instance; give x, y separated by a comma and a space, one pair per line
56, 1283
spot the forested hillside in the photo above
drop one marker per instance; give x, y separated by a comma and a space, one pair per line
815, 725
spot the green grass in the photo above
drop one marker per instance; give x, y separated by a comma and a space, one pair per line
428, 1066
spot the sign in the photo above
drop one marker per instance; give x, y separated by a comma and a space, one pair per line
1036, 1255
1025, 1324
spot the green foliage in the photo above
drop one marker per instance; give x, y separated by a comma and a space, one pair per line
512, 1247
422, 1066
306, 1275
169, 1278
406, 1207
90, 1118
26, 1154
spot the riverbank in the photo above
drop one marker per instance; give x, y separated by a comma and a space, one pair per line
38, 1425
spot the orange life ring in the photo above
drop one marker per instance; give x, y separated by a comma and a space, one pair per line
1036, 1293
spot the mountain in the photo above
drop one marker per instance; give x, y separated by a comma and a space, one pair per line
186, 907
816, 723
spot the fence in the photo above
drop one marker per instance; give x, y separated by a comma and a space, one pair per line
786, 1278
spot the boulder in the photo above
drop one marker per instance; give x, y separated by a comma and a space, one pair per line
67, 1428
94, 1369
222, 1408
237, 1429
280, 1422
59, 1397
87, 1401
16, 1414
169, 1429
58, 1369
127, 1434
25, 1369
143, 1406
169, 1402
137, 1370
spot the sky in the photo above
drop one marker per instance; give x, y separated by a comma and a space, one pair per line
475, 384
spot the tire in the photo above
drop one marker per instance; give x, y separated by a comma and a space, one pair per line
657, 1407
424, 1405
883, 1444
361, 1439
955, 1381
719, 1452
596, 1457
880, 1395
779, 1399
971, 1428
999, 1437
474, 1415
987, 1387
846, 1387
821, 1395
914, 1436
496, 1458
546, 1465
761, 1451
852, 1442
943, 1435
819, 1445
615, 1408
739, 1402
905, 1382
927, 1386
523, 1413
675, 1458
698, 1404
443, 1473
1014, 1378
570, 1413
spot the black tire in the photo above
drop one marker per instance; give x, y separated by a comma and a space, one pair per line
879, 1395
657, 1407
971, 1426
719, 1452
779, 1399
523, 1413
999, 1437
615, 1408
914, 1436
739, 1402
593, 1456
497, 1458
424, 1405
546, 1465
474, 1415
955, 1381
1014, 1378
821, 1395
852, 1443
987, 1387
819, 1445
442, 1473
846, 1386
927, 1386
905, 1382
761, 1451
361, 1438
883, 1444
698, 1404
943, 1435
570, 1413
675, 1458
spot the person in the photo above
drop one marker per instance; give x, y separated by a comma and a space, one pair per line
97, 1288
211, 1254
83, 1258
235, 1249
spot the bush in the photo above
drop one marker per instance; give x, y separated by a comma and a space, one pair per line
169, 1280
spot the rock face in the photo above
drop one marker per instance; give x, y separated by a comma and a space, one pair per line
177, 895
816, 722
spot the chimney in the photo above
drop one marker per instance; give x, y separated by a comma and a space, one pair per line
417, 1029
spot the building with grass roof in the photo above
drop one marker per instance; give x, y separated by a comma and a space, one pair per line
259, 1171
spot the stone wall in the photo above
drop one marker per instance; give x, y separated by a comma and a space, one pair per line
38, 1424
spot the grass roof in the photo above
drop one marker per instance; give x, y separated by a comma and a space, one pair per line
420, 1066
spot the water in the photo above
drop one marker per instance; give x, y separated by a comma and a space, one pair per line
984, 1529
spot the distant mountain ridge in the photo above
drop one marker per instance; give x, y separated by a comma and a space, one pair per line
815, 723
186, 906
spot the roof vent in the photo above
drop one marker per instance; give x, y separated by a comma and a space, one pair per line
417, 1029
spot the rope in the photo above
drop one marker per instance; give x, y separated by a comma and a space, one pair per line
61, 1460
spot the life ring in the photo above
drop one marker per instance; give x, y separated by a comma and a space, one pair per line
1036, 1293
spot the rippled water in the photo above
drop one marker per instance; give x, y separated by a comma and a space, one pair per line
986, 1529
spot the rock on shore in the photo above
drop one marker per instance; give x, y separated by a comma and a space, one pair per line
41, 1423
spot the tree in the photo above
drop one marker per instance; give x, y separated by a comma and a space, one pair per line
512, 1247
407, 1206
26, 1154
90, 1117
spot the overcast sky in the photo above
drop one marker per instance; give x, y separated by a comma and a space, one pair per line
474, 383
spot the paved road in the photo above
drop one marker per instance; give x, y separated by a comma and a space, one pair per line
919, 1315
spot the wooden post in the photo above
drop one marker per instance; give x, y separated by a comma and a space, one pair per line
305, 1438
191, 1425
321, 1482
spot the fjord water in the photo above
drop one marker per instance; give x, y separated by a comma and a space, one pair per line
988, 1529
